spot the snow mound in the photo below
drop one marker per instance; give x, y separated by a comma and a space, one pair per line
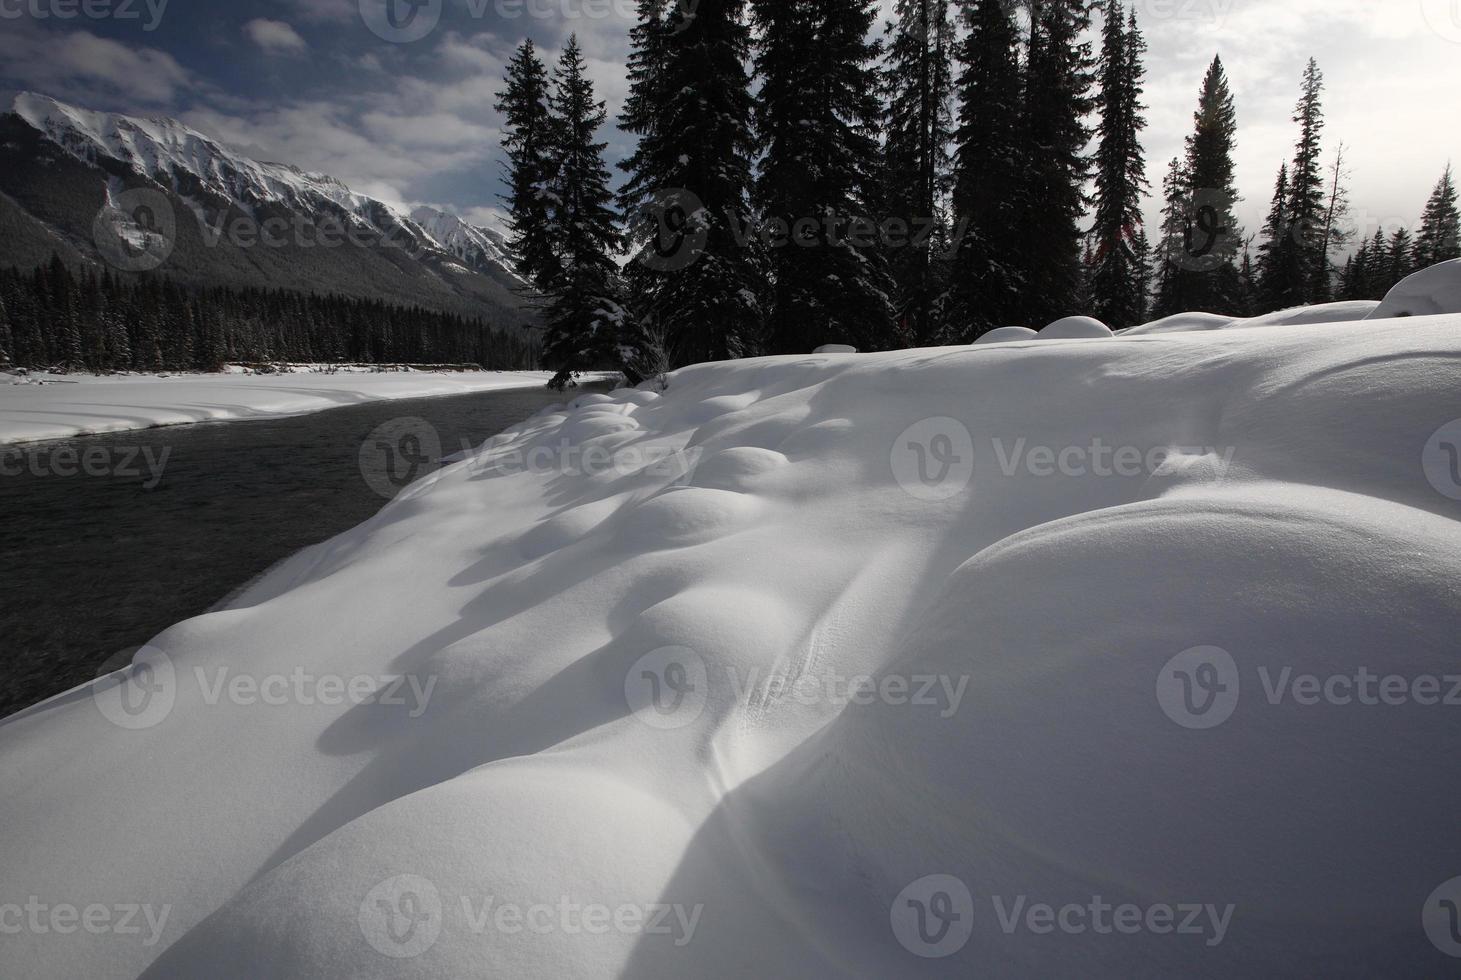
835, 349
1344, 312
1181, 323
1076, 328
1005, 335
1425, 293
819, 667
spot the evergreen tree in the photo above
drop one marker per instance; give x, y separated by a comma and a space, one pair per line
584, 315
817, 119
987, 281
1401, 262
1335, 233
699, 272
7, 340
1306, 206
919, 81
1281, 277
528, 141
1172, 249
1440, 227
1117, 283
1057, 82
1207, 275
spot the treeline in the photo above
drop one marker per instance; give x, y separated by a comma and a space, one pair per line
914, 186
52, 317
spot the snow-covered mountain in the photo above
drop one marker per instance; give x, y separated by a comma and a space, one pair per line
425, 255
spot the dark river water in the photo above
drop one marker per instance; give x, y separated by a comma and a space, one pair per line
157, 526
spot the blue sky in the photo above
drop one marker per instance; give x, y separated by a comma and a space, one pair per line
308, 82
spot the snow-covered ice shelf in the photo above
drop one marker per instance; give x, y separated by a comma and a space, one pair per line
627, 734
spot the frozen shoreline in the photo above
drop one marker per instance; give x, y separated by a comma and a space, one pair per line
75, 405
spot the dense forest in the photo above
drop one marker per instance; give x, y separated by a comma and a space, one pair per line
804, 176
54, 317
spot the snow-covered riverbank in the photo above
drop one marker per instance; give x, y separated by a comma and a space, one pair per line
77, 404
860, 665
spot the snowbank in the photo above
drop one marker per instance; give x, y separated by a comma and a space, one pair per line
938, 662
1425, 293
78, 404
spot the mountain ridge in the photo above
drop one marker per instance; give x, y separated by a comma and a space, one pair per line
51, 191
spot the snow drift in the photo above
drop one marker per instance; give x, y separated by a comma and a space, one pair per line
1028, 659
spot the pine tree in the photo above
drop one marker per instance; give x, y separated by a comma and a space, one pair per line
1172, 249
1057, 82
918, 79
1401, 263
987, 281
1440, 227
1306, 207
1117, 285
1280, 276
528, 141
7, 340
817, 118
1207, 276
699, 271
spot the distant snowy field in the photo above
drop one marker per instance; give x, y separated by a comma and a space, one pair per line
76, 404
1133, 656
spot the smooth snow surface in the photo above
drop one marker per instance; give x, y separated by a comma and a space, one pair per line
1425, 293
1005, 335
75, 404
629, 689
1076, 328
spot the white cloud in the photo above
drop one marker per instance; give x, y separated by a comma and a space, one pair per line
79, 65
275, 36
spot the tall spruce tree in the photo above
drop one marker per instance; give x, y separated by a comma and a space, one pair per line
1439, 238
1117, 279
817, 119
698, 276
1281, 278
1401, 261
1057, 85
1306, 206
585, 315
528, 141
986, 279
1172, 248
919, 79
1208, 278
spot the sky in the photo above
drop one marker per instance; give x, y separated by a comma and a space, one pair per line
332, 86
